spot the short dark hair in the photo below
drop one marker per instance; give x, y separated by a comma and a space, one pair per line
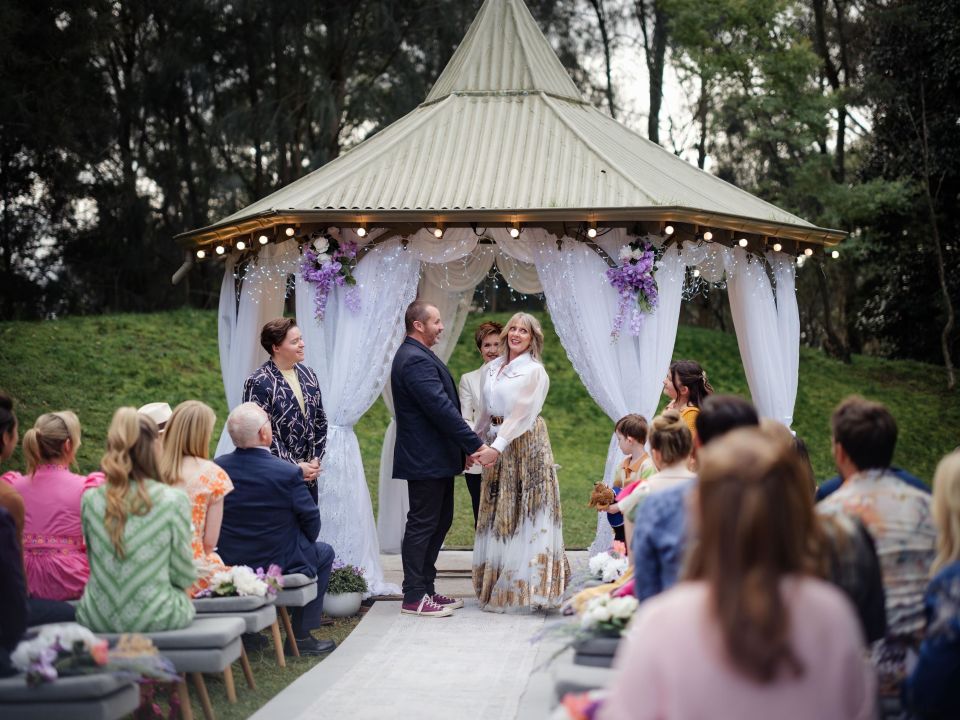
8, 420
866, 431
634, 426
720, 414
274, 332
416, 312
486, 328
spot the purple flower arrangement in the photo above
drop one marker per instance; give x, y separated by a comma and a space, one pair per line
634, 281
328, 263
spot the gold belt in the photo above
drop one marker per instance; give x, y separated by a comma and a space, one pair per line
496, 420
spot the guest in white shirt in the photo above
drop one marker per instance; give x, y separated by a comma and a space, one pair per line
487, 338
519, 563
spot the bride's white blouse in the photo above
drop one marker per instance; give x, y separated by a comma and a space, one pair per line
515, 392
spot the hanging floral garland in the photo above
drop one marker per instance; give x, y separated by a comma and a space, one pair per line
634, 281
329, 263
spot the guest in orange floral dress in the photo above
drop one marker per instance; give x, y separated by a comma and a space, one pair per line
185, 463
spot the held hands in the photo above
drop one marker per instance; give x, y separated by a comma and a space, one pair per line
311, 470
486, 455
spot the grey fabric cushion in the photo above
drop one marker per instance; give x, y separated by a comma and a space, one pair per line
208, 660
297, 580
230, 604
568, 677
597, 646
204, 632
297, 596
256, 620
80, 687
119, 703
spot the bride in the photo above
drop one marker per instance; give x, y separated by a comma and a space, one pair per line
519, 561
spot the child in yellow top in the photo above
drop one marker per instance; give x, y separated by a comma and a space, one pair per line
636, 466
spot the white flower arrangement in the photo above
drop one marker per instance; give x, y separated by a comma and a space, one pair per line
244, 581
630, 253
608, 566
608, 613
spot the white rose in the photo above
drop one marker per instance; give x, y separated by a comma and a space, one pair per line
598, 563
323, 258
623, 607
614, 569
636, 254
626, 253
321, 244
601, 614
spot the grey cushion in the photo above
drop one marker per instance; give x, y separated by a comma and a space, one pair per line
230, 604
208, 660
80, 687
256, 620
205, 631
568, 677
119, 703
597, 646
298, 596
296, 580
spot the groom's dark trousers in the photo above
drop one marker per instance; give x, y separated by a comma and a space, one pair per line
432, 444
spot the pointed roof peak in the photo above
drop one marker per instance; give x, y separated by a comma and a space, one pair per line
502, 52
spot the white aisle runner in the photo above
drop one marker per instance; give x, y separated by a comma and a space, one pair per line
471, 665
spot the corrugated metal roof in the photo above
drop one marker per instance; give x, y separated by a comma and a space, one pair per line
504, 128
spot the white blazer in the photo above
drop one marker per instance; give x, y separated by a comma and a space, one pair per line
471, 385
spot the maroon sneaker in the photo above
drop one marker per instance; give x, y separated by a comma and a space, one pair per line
425, 607
449, 602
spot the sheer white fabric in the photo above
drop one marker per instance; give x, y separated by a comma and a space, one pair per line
262, 295
515, 392
355, 352
770, 359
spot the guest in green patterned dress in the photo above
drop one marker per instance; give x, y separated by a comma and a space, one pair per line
137, 532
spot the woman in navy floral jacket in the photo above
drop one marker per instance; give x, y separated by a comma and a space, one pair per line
289, 393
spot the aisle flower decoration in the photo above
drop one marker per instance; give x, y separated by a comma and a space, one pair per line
609, 614
68, 649
329, 263
609, 565
634, 281
241, 580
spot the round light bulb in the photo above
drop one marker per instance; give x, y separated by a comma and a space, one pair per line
696, 273
264, 239
201, 254
361, 232
221, 249
708, 236
668, 230
808, 252
777, 247
742, 242
835, 254
290, 232
514, 232
591, 232
241, 245
438, 232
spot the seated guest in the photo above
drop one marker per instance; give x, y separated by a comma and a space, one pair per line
184, 463
899, 519
13, 593
687, 387
750, 633
933, 688
270, 518
828, 487
659, 537
54, 552
138, 538
10, 499
159, 412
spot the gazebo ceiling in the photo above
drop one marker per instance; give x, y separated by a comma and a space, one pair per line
504, 137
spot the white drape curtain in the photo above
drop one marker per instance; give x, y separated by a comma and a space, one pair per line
262, 294
768, 329
352, 353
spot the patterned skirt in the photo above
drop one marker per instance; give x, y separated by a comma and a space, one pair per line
519, 563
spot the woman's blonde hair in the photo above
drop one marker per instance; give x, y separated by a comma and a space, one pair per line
753, 514
130, 458
536, 334
670, 436
187, 435
44, 441
946, 510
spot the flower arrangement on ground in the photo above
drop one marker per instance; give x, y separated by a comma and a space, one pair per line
329, 263
346, 579
634, 281
71, 649
242, 580
609, 565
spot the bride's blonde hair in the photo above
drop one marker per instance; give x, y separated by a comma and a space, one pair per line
522, 319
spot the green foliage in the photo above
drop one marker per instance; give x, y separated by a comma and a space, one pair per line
346, 579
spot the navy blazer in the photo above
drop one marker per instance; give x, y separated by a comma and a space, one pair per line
433, 439
269, 517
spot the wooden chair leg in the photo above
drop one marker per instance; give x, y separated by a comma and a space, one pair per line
183, 692
278, 644
247, 670
229, 685
288, 626
201, 687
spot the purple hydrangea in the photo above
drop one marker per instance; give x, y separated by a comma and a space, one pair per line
635, 284
326, 270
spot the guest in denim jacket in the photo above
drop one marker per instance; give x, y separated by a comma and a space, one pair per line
289, 393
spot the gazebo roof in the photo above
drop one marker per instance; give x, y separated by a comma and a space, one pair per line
504, 137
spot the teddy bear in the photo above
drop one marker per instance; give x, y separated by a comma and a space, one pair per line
601, 497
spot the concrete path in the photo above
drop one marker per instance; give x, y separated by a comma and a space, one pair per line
472, 665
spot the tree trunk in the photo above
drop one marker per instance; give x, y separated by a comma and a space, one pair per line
653, 27
834, 345
605, 39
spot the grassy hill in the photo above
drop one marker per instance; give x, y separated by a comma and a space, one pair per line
93, 365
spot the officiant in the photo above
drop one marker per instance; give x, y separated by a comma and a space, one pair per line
289, 393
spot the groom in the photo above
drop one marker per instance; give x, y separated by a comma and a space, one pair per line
433, 442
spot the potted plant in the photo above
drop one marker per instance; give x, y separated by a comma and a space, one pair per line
345, 591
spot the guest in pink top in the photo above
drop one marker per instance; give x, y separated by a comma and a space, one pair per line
54, 551
752, 633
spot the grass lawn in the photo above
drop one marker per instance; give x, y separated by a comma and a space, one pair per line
94, 364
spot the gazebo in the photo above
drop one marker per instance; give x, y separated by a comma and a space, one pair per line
503, 162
